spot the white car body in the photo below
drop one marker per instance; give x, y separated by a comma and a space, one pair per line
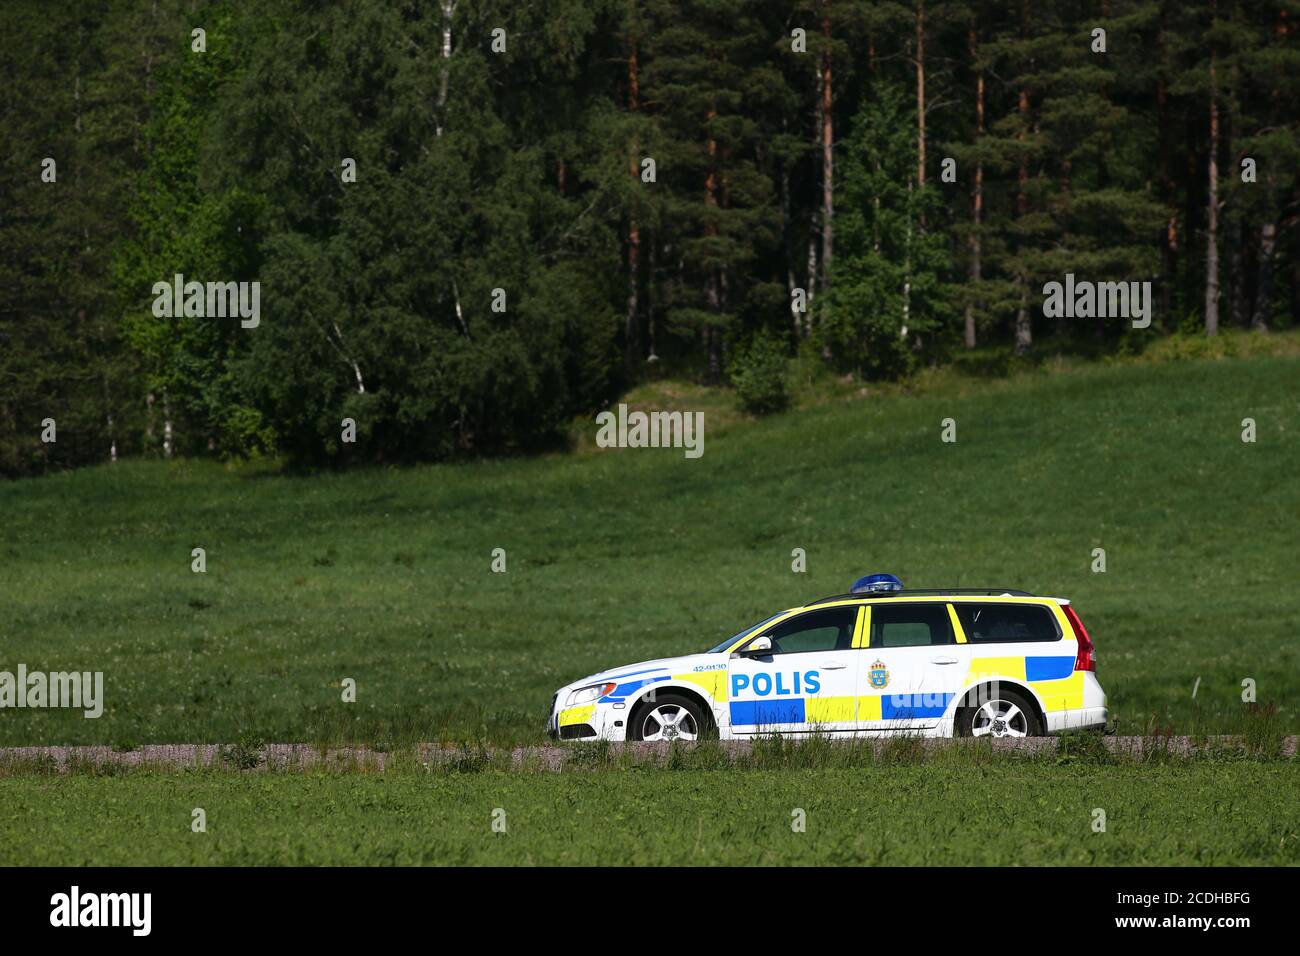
866, 686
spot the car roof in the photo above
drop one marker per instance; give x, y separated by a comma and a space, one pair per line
927, 593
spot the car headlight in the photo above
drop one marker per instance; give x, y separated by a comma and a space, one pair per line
585, 695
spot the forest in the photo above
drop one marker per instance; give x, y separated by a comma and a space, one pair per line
470, 222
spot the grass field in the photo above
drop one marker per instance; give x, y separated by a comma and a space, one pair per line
383, 576
958, 808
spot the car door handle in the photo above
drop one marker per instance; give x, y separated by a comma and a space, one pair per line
834, 666
943, 660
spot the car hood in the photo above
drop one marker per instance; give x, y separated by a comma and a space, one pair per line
647, 670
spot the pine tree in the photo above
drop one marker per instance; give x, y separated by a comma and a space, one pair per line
706, 77
889, 280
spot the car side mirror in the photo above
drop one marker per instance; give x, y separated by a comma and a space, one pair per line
759, 647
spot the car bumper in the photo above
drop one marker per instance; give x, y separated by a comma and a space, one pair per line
552, 727
598, 721
1085, 718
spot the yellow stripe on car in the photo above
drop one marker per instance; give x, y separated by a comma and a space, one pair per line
869, 708
862, 630
713, 683
577, 715
1064, 694
958, 631
829, 710
988, 668
1057, 695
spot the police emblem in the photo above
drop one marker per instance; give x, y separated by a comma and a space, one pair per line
879, 675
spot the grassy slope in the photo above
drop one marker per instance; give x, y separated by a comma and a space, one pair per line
1005, 812
383, 576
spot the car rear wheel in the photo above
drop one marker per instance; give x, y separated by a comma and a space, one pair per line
1004, 713
668, 717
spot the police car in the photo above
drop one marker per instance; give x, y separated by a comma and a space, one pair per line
878, 660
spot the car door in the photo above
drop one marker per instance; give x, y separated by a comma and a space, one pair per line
912, 666
806, 682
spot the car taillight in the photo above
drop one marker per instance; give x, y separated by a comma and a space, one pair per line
1086, 659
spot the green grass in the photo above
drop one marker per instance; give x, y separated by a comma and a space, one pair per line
617, 556
959, 810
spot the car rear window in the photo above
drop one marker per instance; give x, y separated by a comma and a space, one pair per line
910, 625
1007, 623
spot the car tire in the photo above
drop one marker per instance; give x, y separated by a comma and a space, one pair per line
1004, 713
668, 717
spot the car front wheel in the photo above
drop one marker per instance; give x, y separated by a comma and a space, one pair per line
668, 717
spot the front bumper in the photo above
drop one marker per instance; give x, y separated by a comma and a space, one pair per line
552, 724
603, 721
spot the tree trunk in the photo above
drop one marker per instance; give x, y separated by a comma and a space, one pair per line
812, 275
791, 283
347, 357
907, 273
1264, 277
167, 426
977, 196
712, 296
448, 12
108, 405
633, 232
1024, 328
920, 93
1239, 269
1169, 241
1024, 325
633, 264
814, 236
828, 161
1212, 223
650, 299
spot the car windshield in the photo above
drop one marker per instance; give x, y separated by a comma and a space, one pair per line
737, 636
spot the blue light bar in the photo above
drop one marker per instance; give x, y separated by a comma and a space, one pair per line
877, 583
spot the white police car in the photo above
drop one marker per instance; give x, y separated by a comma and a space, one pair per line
878, 660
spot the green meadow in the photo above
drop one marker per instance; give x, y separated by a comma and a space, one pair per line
614, 556
953, 808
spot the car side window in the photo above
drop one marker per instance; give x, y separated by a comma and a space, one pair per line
830, 629
1007, 623
910, 625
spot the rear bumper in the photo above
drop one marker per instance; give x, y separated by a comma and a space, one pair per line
1086, 718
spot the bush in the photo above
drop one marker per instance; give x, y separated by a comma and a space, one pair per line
245, 753
759, 369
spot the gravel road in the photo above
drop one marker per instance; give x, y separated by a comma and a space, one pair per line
291, 756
